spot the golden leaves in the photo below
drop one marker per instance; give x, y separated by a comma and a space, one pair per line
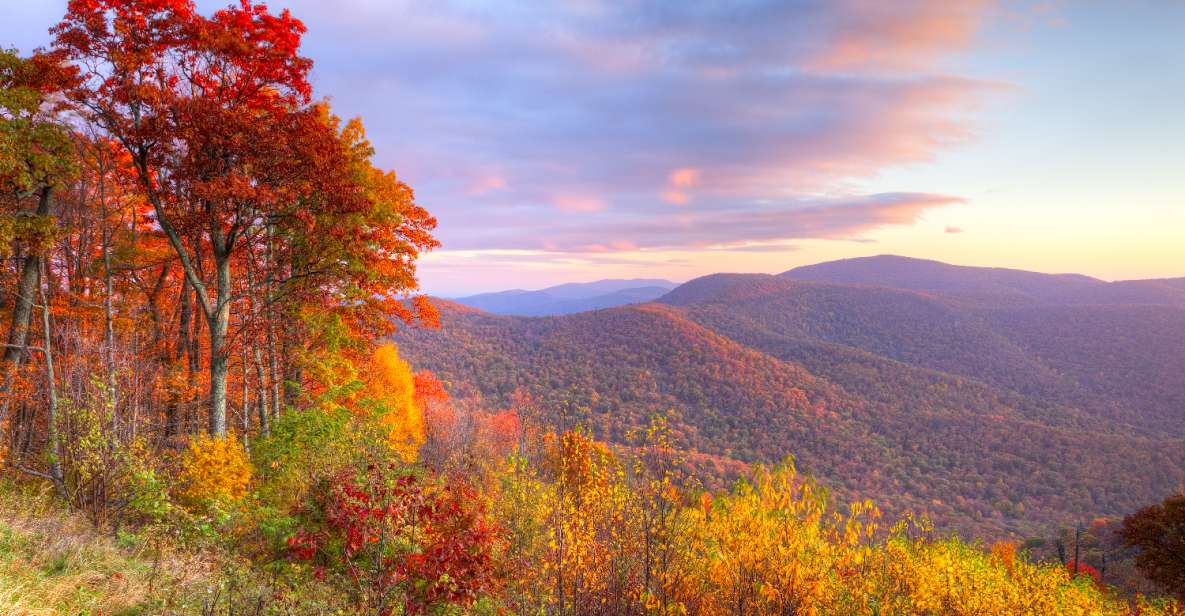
389, 387
215, 469
611, 538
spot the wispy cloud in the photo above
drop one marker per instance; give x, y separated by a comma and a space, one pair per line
601, 126
732, 224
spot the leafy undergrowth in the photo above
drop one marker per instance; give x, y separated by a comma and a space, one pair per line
55, 562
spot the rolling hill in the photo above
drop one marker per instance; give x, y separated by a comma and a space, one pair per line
991, 400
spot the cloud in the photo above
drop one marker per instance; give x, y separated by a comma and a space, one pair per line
776, 248
906, 34
578, 203
731, 225
577, 125
679, 182
486, 183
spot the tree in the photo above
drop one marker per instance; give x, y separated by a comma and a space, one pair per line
352, 262
1158, 532
201, 105
36, 155
260, 197
389, 393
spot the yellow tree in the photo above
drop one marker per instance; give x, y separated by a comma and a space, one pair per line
389, 395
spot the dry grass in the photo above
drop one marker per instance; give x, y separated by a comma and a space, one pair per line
54, 562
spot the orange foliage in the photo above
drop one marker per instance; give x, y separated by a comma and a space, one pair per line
428, 389
389, 390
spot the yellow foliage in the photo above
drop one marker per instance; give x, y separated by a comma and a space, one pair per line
389, 389
602, 538
1004, 552
215, 469
950, 577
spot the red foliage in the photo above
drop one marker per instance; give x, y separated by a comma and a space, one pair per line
428, 543
1085, 569
258, 193
429, 389
502, 431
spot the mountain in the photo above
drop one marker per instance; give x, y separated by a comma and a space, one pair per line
569, 298
989, 285
1119, 362
996, 401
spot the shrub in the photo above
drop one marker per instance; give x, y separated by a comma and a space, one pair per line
215, 470
401, 541
106, 476
304, 447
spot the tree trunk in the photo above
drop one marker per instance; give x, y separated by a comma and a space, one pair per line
218, 372
22, 309
22, 313
261, 394
55, 449
195, 349
108, 313
173, 424
219, 322
245, 403
274, 377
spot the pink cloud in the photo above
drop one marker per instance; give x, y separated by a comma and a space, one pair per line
838, 219
684, 177
902, 35
560, 125
578, 203
678, 184
675, 197
486, 183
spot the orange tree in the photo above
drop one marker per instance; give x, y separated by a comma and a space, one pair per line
263, 200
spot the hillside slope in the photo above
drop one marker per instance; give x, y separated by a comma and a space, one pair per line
978, 458
1121, 364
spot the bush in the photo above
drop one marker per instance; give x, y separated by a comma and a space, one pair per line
215, 471
105, 476
304, 447
401, 541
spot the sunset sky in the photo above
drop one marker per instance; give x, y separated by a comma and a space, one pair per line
584, 139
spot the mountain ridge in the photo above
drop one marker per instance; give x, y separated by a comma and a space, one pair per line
990, 285
995, 411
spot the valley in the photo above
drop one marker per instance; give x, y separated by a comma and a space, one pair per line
981, 398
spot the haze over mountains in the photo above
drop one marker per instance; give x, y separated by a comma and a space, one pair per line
570, 298
995, 400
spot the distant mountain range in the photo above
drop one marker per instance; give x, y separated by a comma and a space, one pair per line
569, 298
996, 401
991, 286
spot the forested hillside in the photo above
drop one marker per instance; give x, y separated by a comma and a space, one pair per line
976, 399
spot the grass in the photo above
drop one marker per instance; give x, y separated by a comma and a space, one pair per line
55, 562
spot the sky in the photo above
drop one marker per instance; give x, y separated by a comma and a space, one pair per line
576, 140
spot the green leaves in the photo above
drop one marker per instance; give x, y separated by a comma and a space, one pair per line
35, 146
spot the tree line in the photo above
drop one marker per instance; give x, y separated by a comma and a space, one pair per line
186, 230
